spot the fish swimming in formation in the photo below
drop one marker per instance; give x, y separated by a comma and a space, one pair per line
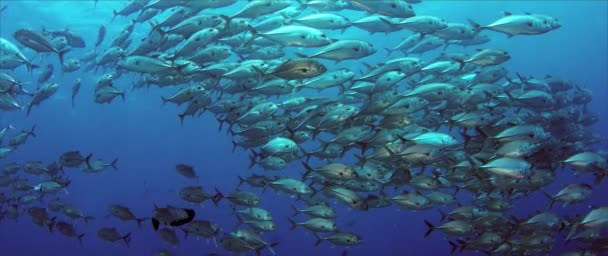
421, 128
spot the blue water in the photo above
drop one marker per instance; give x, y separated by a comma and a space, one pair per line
148, 140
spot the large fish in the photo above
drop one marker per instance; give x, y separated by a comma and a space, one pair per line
11, 57
293, 35
297, 69
171, 216
513, 25
38, 43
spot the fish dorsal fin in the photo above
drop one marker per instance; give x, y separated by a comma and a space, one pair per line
506, 13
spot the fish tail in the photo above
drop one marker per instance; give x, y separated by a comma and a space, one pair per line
319, 239
314, 190
239, 220
29, 109
256, 154
181, 119
462, 245
572, 231
475, 25
51, 224
296, 211
241, 180
139, 221
31, 132
60, 55
254, 35
269, 246
127, 239
115, 14
262, 75
599, 177
165, 100
30, 66
308, 169
87, 160
461, 63
551, 199
251, 160
80, 238
293, 224
113, 164
226, 21
362, 159
153, 25
186, 233
162, 32
430, 226
217, 197
454, 247
443, 215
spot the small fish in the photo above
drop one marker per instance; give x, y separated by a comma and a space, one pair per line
186, 171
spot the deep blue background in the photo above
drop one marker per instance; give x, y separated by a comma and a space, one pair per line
148, 140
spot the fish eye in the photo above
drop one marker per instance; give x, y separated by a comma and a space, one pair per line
529, 24
323, 35
393, 5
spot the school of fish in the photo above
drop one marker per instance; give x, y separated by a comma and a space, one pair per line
458, 133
